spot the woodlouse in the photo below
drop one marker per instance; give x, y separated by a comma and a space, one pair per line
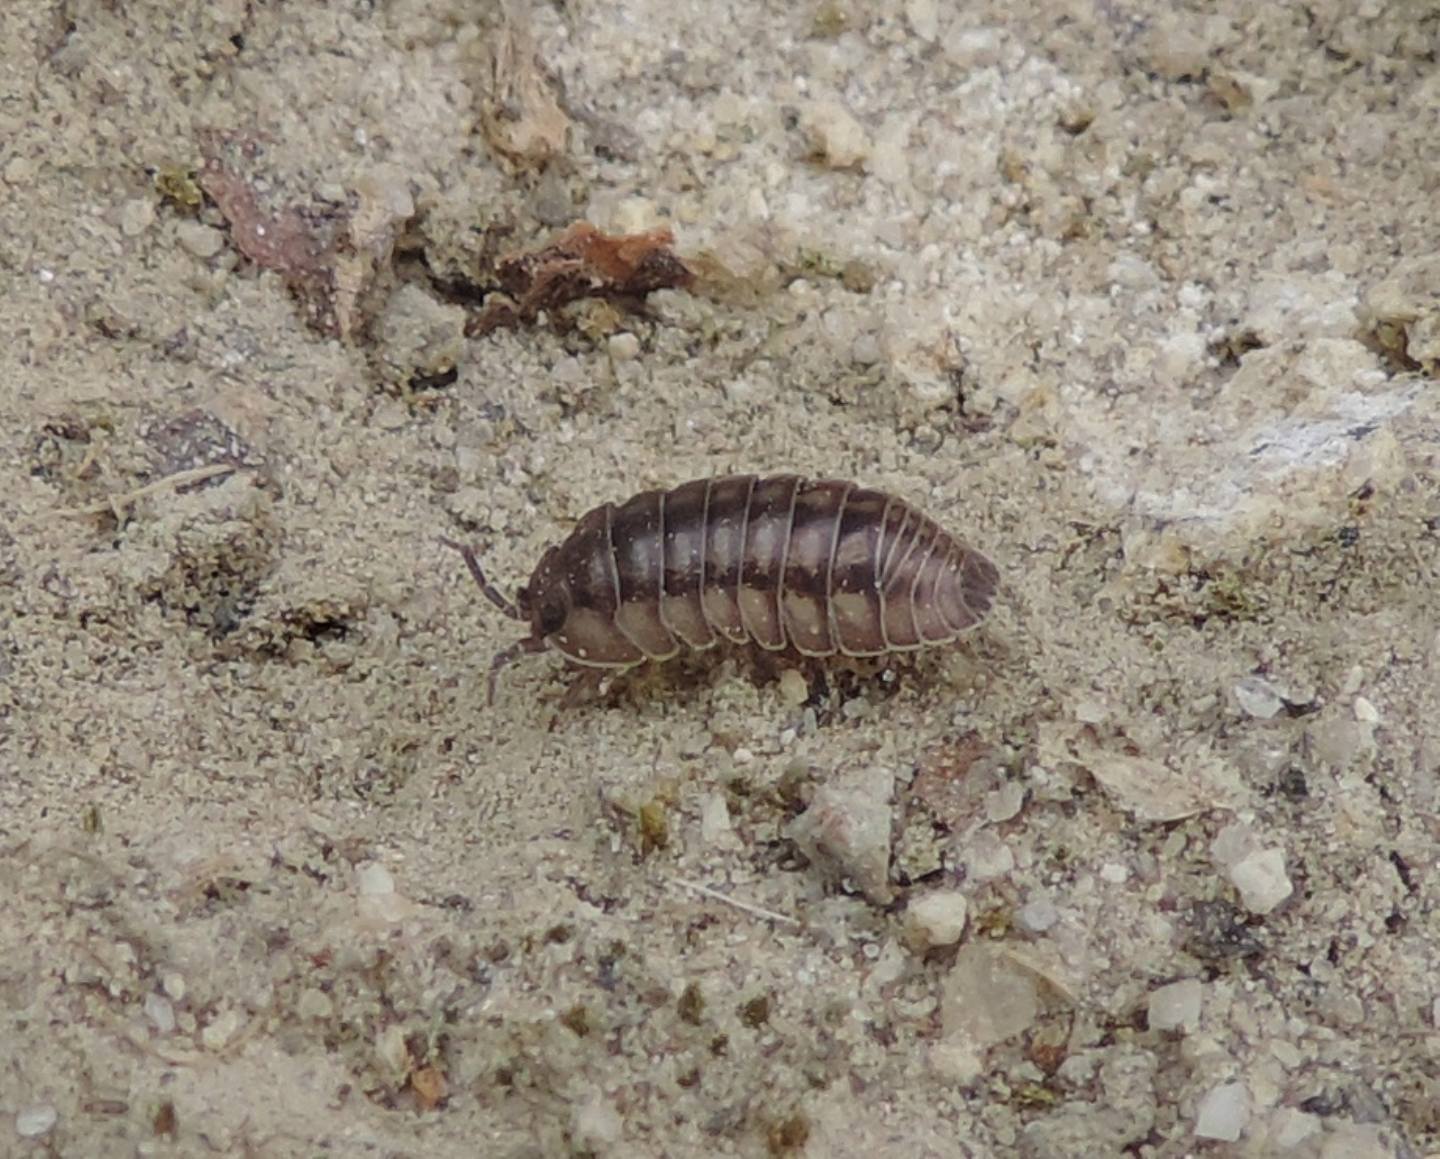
823, 565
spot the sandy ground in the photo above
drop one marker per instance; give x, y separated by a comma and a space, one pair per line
1147, 305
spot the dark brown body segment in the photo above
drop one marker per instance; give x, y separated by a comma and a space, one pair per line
823, 566
725, 517
763, 559
684, 556
639, 549
806, 597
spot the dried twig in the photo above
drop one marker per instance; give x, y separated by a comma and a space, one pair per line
519, 114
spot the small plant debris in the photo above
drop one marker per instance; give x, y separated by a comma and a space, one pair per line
582, 262
430, 1087
330, 256
295, 243
520, 116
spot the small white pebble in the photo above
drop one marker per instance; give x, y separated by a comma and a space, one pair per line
923, 17
1261, 880
1259, 698
1114, 873
635, 215
957, 1064
1223, 1113
623, 346
221, 1030
136, 216
173, 983
19, 170
1365, 712
936, 919
715, 824
596, 1125
846, 830
314, 1003
794, 691
1005, 802
391, 1051
1037, 916
987, 856
836, 137
198, 239
743, 756
391, 415
374, 880
741, 390
986, 998
160, 1012
892, 964
32, 1122
1176, 1006
865, 350
1233, 843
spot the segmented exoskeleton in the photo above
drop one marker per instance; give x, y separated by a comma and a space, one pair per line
825, 566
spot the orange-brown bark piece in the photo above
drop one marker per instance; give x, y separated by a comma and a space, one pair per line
583, 262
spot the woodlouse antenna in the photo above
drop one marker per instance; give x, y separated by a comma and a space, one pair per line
505, 656
492, 593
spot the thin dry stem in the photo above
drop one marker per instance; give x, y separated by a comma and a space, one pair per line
745, 906
116, 504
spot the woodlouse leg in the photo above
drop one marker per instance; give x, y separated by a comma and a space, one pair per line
520, 648
492, 593
585, 685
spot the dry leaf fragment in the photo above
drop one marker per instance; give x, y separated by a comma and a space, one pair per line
284, 242
1148, 789
430, 1087
330, 257
298, 244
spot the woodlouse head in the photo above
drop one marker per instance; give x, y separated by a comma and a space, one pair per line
569, 603
545, 601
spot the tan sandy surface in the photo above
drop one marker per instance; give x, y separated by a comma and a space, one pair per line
1146, 305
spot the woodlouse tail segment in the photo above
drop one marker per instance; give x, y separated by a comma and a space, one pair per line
520, 648
491, 592
980, 579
